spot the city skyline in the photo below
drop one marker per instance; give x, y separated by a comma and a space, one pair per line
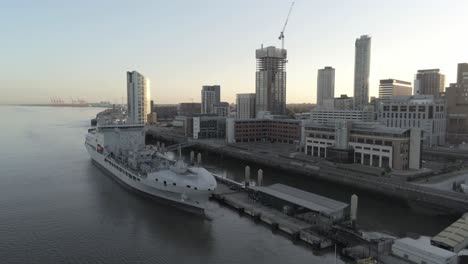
86, 59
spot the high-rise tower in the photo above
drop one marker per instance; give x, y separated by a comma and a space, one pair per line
325, 84
270, 80
138, 98
361, 71
210, 95
429, 82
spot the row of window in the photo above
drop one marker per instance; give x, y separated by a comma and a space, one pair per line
129, 175
174, 184
374, 149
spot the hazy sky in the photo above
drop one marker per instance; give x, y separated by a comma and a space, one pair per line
84, 48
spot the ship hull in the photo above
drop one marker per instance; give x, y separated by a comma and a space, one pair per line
159, 196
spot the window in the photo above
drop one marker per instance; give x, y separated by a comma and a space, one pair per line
156, 179
165, 183
188, 186
174, 184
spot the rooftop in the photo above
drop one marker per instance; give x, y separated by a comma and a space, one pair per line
424, 245
454, 234
305, 199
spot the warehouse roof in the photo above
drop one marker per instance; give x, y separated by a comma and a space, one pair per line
454, 235
302, 198
423, 245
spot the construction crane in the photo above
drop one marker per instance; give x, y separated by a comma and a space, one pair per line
281, 36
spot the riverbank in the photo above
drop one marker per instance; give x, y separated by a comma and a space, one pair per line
429, 200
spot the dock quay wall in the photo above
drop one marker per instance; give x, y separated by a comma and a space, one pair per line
424, 198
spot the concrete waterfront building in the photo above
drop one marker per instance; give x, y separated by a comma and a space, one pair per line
367, 143
270, 80
221, 109
325, 84
418, 111
209, 127
210, 95
245, 106
138, 98
263, 130
462, 73
429, 82
189, 109
339, 103
393, 87
362, 71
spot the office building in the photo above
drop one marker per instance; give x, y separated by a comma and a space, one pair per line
366, 143
245, 106
419, 111
209, 127
393, 87
456, 96
331, 115
210, 95
362, 71
429, 82
462, 73
138, 98
270, 80
263, 130
339, 103
325, 84
189, 109
221, 109
166, 112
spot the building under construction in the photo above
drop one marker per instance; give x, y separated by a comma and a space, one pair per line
270, 80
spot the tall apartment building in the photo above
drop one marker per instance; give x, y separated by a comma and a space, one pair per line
419, 111
393, 87
325, 84
270, 80
462, 73
362, 71
429, 82
456, 96
138, 98
210, 95
245, 106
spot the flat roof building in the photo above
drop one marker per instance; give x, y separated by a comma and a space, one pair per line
421, 251
455, 237
393, 87
429, 82
263, 130
366, 143
331, 115
297, 198
419, 111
